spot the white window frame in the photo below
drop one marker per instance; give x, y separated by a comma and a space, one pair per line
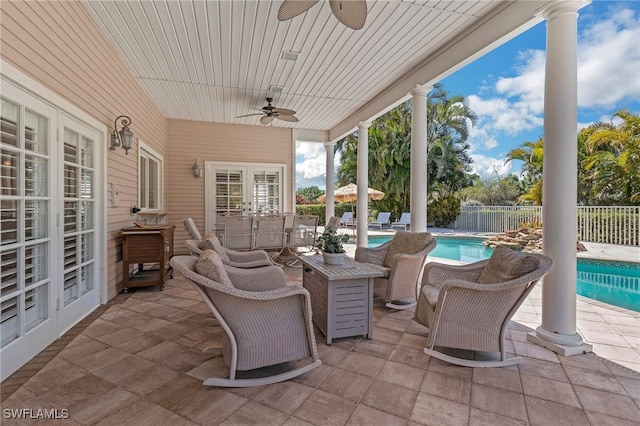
145, 151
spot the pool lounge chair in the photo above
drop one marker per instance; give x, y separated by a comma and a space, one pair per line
404, 222
347, 219
382, 220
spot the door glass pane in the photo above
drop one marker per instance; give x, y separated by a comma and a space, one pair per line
86, 248
70, 287
86, 278
8, 123
35, 261
266, 191
9, 282
36, 133
70, 181
71, 146
86, 215
86, 187
35, 176
35, 219
35, 306
9, 224
9, 327
70, 216
70, 252
87, 152
9, 173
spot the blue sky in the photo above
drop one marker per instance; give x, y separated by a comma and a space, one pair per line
506, 87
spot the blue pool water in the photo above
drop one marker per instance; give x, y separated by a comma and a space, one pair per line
615, 283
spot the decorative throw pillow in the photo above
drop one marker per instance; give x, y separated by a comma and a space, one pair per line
406, 243
210, 265
211, 242
506, 264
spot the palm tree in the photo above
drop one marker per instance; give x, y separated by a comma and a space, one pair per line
613, 160
531, 153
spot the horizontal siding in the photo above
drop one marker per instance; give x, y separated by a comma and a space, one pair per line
189, 140
58, 44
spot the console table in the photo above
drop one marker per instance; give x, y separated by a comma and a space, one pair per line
341, 296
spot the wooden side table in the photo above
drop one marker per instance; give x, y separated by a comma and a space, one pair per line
341, 296
151, 245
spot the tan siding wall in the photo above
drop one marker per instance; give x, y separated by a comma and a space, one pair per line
58, 44
216, 142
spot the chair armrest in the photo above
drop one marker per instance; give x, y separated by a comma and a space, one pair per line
257, 279
192, 245
373, 255
248, 259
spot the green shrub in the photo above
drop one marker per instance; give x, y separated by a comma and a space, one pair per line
444, 210
320, 210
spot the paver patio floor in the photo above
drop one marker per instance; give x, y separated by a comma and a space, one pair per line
139, 360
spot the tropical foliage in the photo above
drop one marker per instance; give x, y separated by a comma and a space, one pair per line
310, 193
448, 162
608, 163
612, 161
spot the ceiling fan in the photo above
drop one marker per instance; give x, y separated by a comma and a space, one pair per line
352, 13
269, 112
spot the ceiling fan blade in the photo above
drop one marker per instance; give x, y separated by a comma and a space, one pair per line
289, 118
266, 119
352, 13
292, 8
247, 115
260, 109
283, 111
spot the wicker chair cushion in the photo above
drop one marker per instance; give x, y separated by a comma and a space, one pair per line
212, 242
431, 293
506, 264
210, 265
406, 243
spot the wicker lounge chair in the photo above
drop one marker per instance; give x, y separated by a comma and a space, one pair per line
235, 258
265, 322
469, 307
402, 261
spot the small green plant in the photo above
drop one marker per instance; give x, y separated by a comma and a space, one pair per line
331, 242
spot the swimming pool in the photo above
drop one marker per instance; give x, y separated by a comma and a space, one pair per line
615, 283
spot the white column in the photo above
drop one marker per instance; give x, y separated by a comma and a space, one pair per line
363, 184
559, 198
419, 174
330, 170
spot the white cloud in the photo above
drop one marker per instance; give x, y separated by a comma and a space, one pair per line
608, 69
486, 167
314, 163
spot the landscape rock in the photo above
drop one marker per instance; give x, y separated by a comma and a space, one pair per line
526, 239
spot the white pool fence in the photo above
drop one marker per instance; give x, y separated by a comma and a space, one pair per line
610, 225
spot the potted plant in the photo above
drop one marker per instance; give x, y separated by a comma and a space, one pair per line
330, 243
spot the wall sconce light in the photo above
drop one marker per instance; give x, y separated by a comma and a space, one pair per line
196, 169
122, 137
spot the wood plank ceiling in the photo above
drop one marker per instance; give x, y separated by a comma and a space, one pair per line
216, 60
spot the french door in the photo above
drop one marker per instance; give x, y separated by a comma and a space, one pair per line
48, 246
242, 189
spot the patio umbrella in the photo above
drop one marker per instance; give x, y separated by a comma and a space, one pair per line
349, 194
